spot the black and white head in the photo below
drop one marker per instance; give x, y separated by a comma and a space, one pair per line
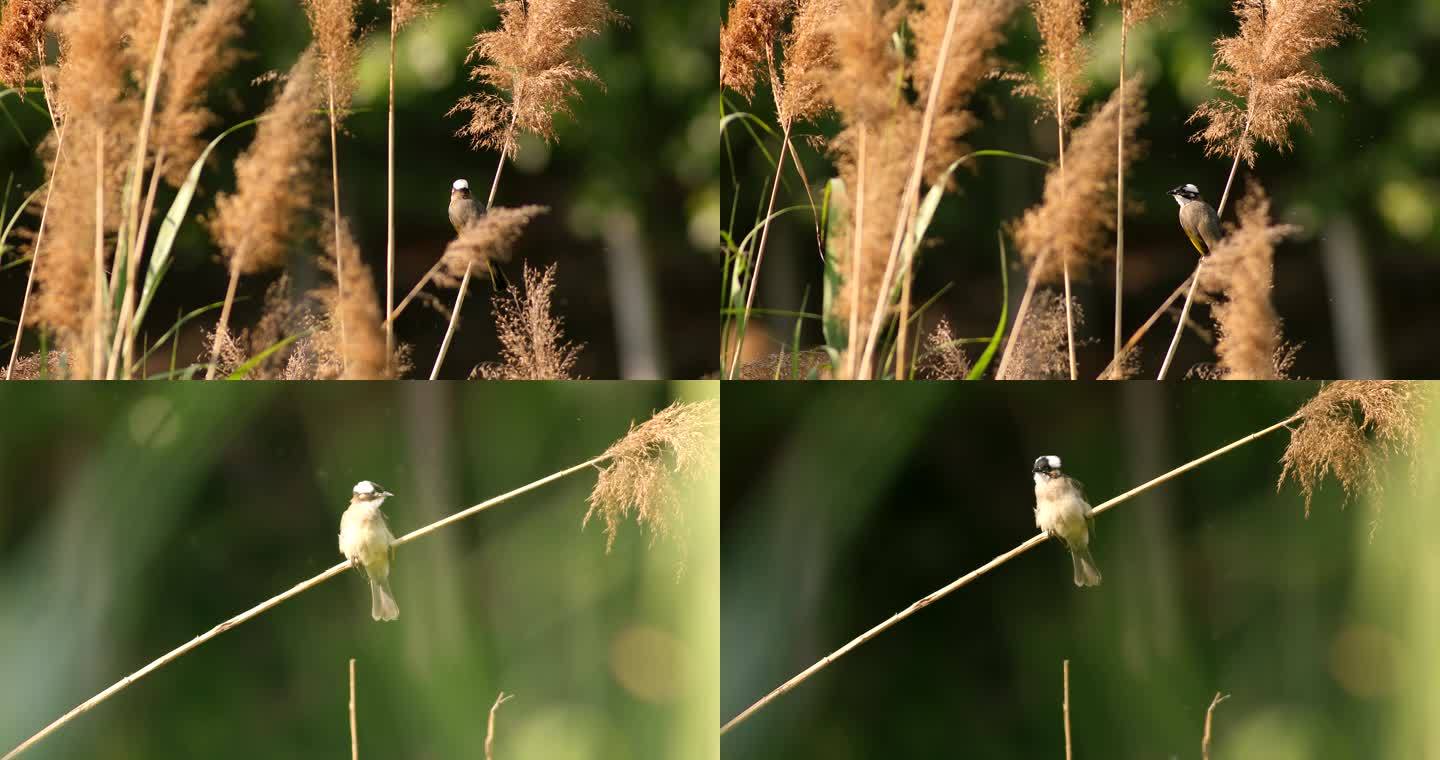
1047, 467
369, 493
1185, 193
460, 187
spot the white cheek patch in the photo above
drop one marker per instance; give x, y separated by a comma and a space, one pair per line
1039, 479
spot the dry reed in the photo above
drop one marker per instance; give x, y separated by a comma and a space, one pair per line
1242, 268
747, 39
360, 346
808, 54
532, 339
22, 30
484, 242
1348, 431
646, 467
944, 358
1060, 81
979, 28
203, 52
1041, 348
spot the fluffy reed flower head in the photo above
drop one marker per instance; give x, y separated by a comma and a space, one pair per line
645, 467
483, 242
944, 358
1074, 219
532, 57
865, 80
1268, 66
1061, 81
1137, 11
808, 56
254, 225
1348, 431
332, 24
405, 11
90, 80
1242, 267
22, 27
532, 339
353, 304
1042, 353
747, 39
979, 27
201, 52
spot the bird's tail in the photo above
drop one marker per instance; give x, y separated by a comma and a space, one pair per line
1086, 574
383, 606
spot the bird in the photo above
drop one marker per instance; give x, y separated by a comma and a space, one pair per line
1062, 512
1197, 218
463, 208
366, 541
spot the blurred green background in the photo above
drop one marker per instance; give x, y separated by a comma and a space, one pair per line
632, 184
133, 520
843, 505
1356, 289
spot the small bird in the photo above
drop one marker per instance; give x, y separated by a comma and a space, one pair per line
1062, 512
1197, 218
366, 541
463, 208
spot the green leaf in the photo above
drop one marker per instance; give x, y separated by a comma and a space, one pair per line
835, 326
978, 370
170, 226
174, 329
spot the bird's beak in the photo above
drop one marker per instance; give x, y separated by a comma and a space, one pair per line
386, 493
1176, 191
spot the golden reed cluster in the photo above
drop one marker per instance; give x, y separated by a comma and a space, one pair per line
873, 63
129, 94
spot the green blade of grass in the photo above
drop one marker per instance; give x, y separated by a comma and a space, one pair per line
169, 226
172, 332
983, 362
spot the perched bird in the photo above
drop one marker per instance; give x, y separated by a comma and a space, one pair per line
1197, 218
463, 208
366, 541
1062, 512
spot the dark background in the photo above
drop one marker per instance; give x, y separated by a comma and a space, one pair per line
844, 504
631, 183
132, 521
1356, 289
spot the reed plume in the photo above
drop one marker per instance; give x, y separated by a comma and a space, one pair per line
533, 59
646, 467
1061, 80
747, 39
1242, 268
486, 241
1072, 222
532, 339
808, 54
203, 51
979, 28
944, 358
1348, 431
353, 303
22, 31
1041, 350
254, 225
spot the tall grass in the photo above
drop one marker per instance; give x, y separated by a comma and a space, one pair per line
129, 98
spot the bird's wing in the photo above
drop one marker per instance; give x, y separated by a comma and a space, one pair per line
1089, 514
1197, 242
1210, 231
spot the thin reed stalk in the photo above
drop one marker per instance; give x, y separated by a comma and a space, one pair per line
1209, 718
759, 256
132, 205
1065, 262
490, 724
390, 207
276, 600
99, 311
1139, 333
857, 260
1064, 705
222, 327
1020, 313
127, 321
354, 733
1120, 183
911, 193
335, 217
44, 212
971, 576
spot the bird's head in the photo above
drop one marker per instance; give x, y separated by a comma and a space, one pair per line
1185, 193
460, 188
1047, 467
368, 493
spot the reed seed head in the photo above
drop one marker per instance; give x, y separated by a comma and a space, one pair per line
255, 225
201, 52
1348, 431
1074, 219
645, 468
332, 24
487, 240
1042, 352
1269, 71
22, 28
943, 358
533, 59
1061, 81
747, 39
532, 338
979, 28
808, 56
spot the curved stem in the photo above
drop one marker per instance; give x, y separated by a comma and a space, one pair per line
856, 260
390, 210
1120, 184
759, 258
222, 327
339, 258
1180, 326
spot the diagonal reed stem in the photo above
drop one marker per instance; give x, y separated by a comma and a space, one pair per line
354, 733
276, 600
969, 577
759, 257
390, 210
1120, 183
